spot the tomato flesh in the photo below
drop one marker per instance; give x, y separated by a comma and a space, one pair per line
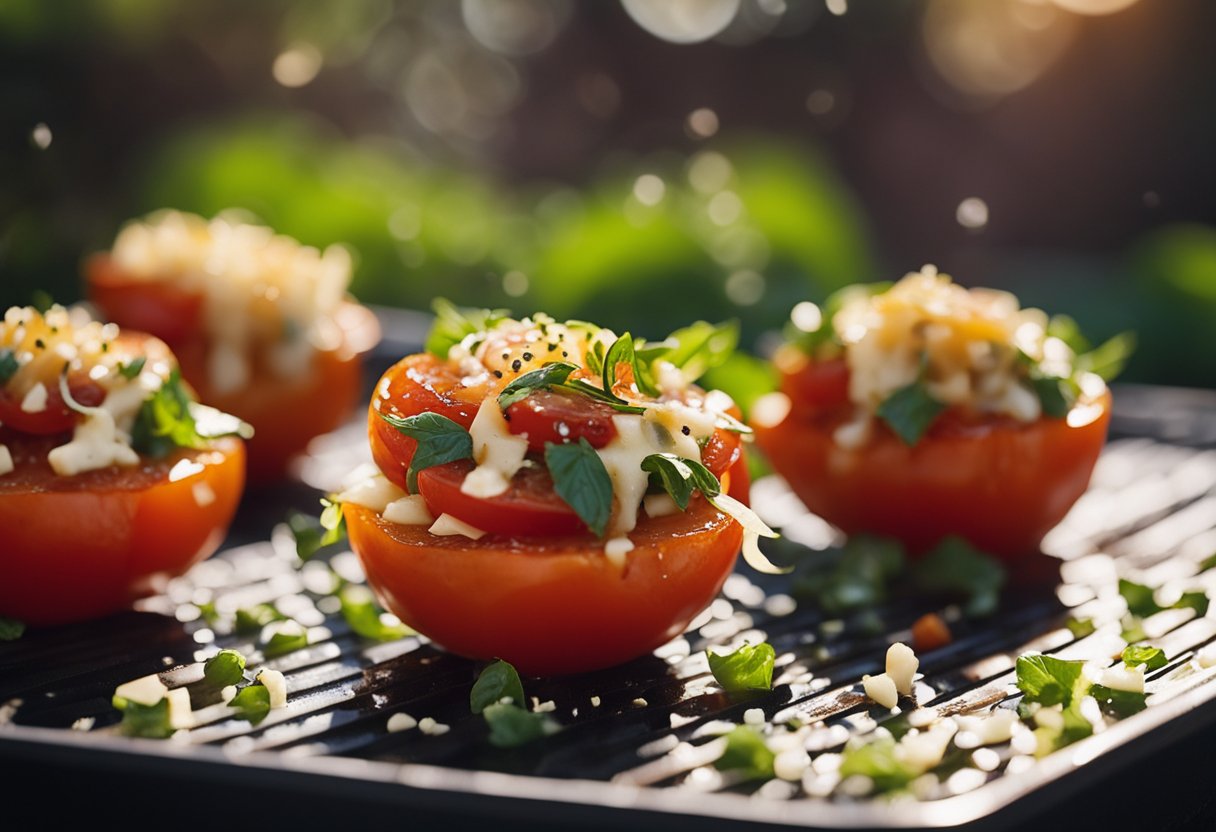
552, 416
1000, 483
159, 307
549, 605
84, 546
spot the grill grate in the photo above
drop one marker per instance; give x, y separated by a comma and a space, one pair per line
1150, 512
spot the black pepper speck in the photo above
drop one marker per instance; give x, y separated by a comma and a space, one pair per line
527, 356
686, 430
516, 364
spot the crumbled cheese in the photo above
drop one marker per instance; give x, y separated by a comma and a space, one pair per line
228, 693
546, 707
637, 438
374, 493
922, 750
400, 722
901, 667
595, 701
1207, 656
447, 525
616, 548
6, 461
180, 715
147, 690
431, 728
753, 716
1122, 677
262, 292
497, 452
35, 399
988, 729
659, 505
881, 689
101, 438
276, 684
639, 703
791, 764
408, 511
770, 410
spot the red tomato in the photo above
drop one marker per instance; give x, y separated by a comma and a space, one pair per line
286, 413
79, 547
553, 416
1000, 483
56, 417
549, 605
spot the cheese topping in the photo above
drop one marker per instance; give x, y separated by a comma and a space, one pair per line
497, 452
265, 296
970, 347
35, 399
408, 511
6, 460
375, 493
447, 525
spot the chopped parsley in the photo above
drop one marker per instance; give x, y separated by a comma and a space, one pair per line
1142, 601
854, 576
8, 365
252, 703
147, 721
440, 440
313, 534
170, 419
226, 667
511, 726
1050, 681
497, 682
878, 761
746, 669
453, 324
131, 369
746, 755
287, 638
1081, 627
1153, 658
11, 629
366, 618
956, 566
910, 411
251, 620
1118, 703
582, 481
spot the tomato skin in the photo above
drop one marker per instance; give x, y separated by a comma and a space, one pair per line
542, 412
530, 506
549, 605
286, 413
75, 548
57, 417
997, 482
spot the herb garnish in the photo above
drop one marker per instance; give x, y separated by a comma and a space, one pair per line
910, 411
497, 682
11, 629
147, 721
746, 755
680, 477
1153, 658
440, 440
226, 667
878, 761
955, 565
365, 617
252, 703
553, 374
746, 669
313, 534
287, 637
498, 695
252, 619
8, 365
171, 419
582, 481
453, 324
131, 369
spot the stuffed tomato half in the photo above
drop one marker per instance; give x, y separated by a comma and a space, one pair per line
261, 324
112, 478
550, 493
922, 410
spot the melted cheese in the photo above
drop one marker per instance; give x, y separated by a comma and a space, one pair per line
102, 438
636, 438
276, 685
497, 452
447, 525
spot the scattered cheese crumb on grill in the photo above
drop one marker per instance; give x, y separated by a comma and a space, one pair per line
753, 716
276, 685
431, 728
401, 722
901, 667
147, 690
881, 689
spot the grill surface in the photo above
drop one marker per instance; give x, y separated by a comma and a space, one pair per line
643, 753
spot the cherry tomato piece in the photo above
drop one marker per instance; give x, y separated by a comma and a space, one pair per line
84, 546
1000, 483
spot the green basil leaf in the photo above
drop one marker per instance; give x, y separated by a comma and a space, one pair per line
11, 629
1108, 359
1118, 703
858, 577
954, 565
312, 534
164, 422
746, 754
147, 721
580, 479
453, 324
877, 760
511, 726
620, 405
252, 619
132, 369
440, 440
366, 618
1075, 727
1151, 657
553, 373
497, 682
1066, 329
1056, 395
1140, 600
8, 365
226, 667
1081, 627
694, 349
747, 669
286, 639
910, 411
679, 477
622, 352
1050, 681
252, 703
